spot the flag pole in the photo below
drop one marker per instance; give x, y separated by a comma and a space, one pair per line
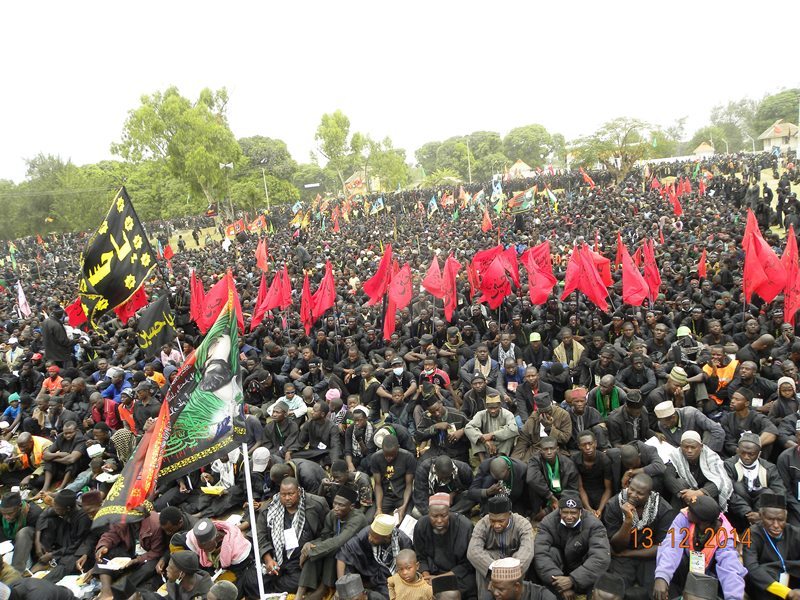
253, 527
146, 237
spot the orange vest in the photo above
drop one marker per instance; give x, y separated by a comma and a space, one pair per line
39, 446
723, 374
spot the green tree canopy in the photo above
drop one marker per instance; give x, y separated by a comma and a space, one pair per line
617, 145
193, 139
783, 105
531, 143
269, 154
334, 143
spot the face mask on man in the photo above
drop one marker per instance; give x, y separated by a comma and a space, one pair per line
398, 371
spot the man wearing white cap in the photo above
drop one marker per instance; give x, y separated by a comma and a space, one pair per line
507, 582
672, 423
695, 470
372, 552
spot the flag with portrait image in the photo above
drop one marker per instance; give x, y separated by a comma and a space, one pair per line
206, 400
117, 260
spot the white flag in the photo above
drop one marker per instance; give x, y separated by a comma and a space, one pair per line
22, 301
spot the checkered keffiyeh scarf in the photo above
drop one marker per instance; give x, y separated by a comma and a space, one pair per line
275, 514
367, 437
649, 513
434, 481
386, 555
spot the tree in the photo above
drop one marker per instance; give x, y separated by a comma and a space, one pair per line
738, 119
270, 154
191, 139
617, 145
389, 164
333, 143
531, 144
711, 134
485, 167
559, 148
782, 105
426, 156
441, 177
452, 154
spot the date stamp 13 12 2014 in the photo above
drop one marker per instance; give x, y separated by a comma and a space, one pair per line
682, 538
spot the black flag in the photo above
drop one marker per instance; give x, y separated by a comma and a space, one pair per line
117, 260
156, 327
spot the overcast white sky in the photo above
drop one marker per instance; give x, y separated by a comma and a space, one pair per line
416, 71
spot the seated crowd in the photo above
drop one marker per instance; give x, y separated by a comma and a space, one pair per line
538, 452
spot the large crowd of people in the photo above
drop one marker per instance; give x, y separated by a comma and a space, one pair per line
528, 451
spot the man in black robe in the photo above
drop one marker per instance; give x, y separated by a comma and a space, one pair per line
441, 539
318, 557
772, 552
60, 531
372, 553
296, 510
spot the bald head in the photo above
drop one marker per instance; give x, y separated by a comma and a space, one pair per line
764, 342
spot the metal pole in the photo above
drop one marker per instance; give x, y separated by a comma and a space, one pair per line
253, 528
469, 163
266, 191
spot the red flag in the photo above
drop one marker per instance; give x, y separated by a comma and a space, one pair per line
637, 257
389, 320
375, 286
540, 281
128, 309
400, 287
483, 258
791, 293
451, 269
620, 246
655, 184
168, 253
586, 178
677, 209
494, 284
433, 281
486, 223
701, 266
763, 272
271, 299
474, 279
687, 187
634, 287
262, 256
258, 310
509, 260
147, 459
285, 299
651, 273
215, 301
336, 228
75, 314
583, 276
603, 266
197, 297
701, 187
305, 306
661, 235
325, 296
